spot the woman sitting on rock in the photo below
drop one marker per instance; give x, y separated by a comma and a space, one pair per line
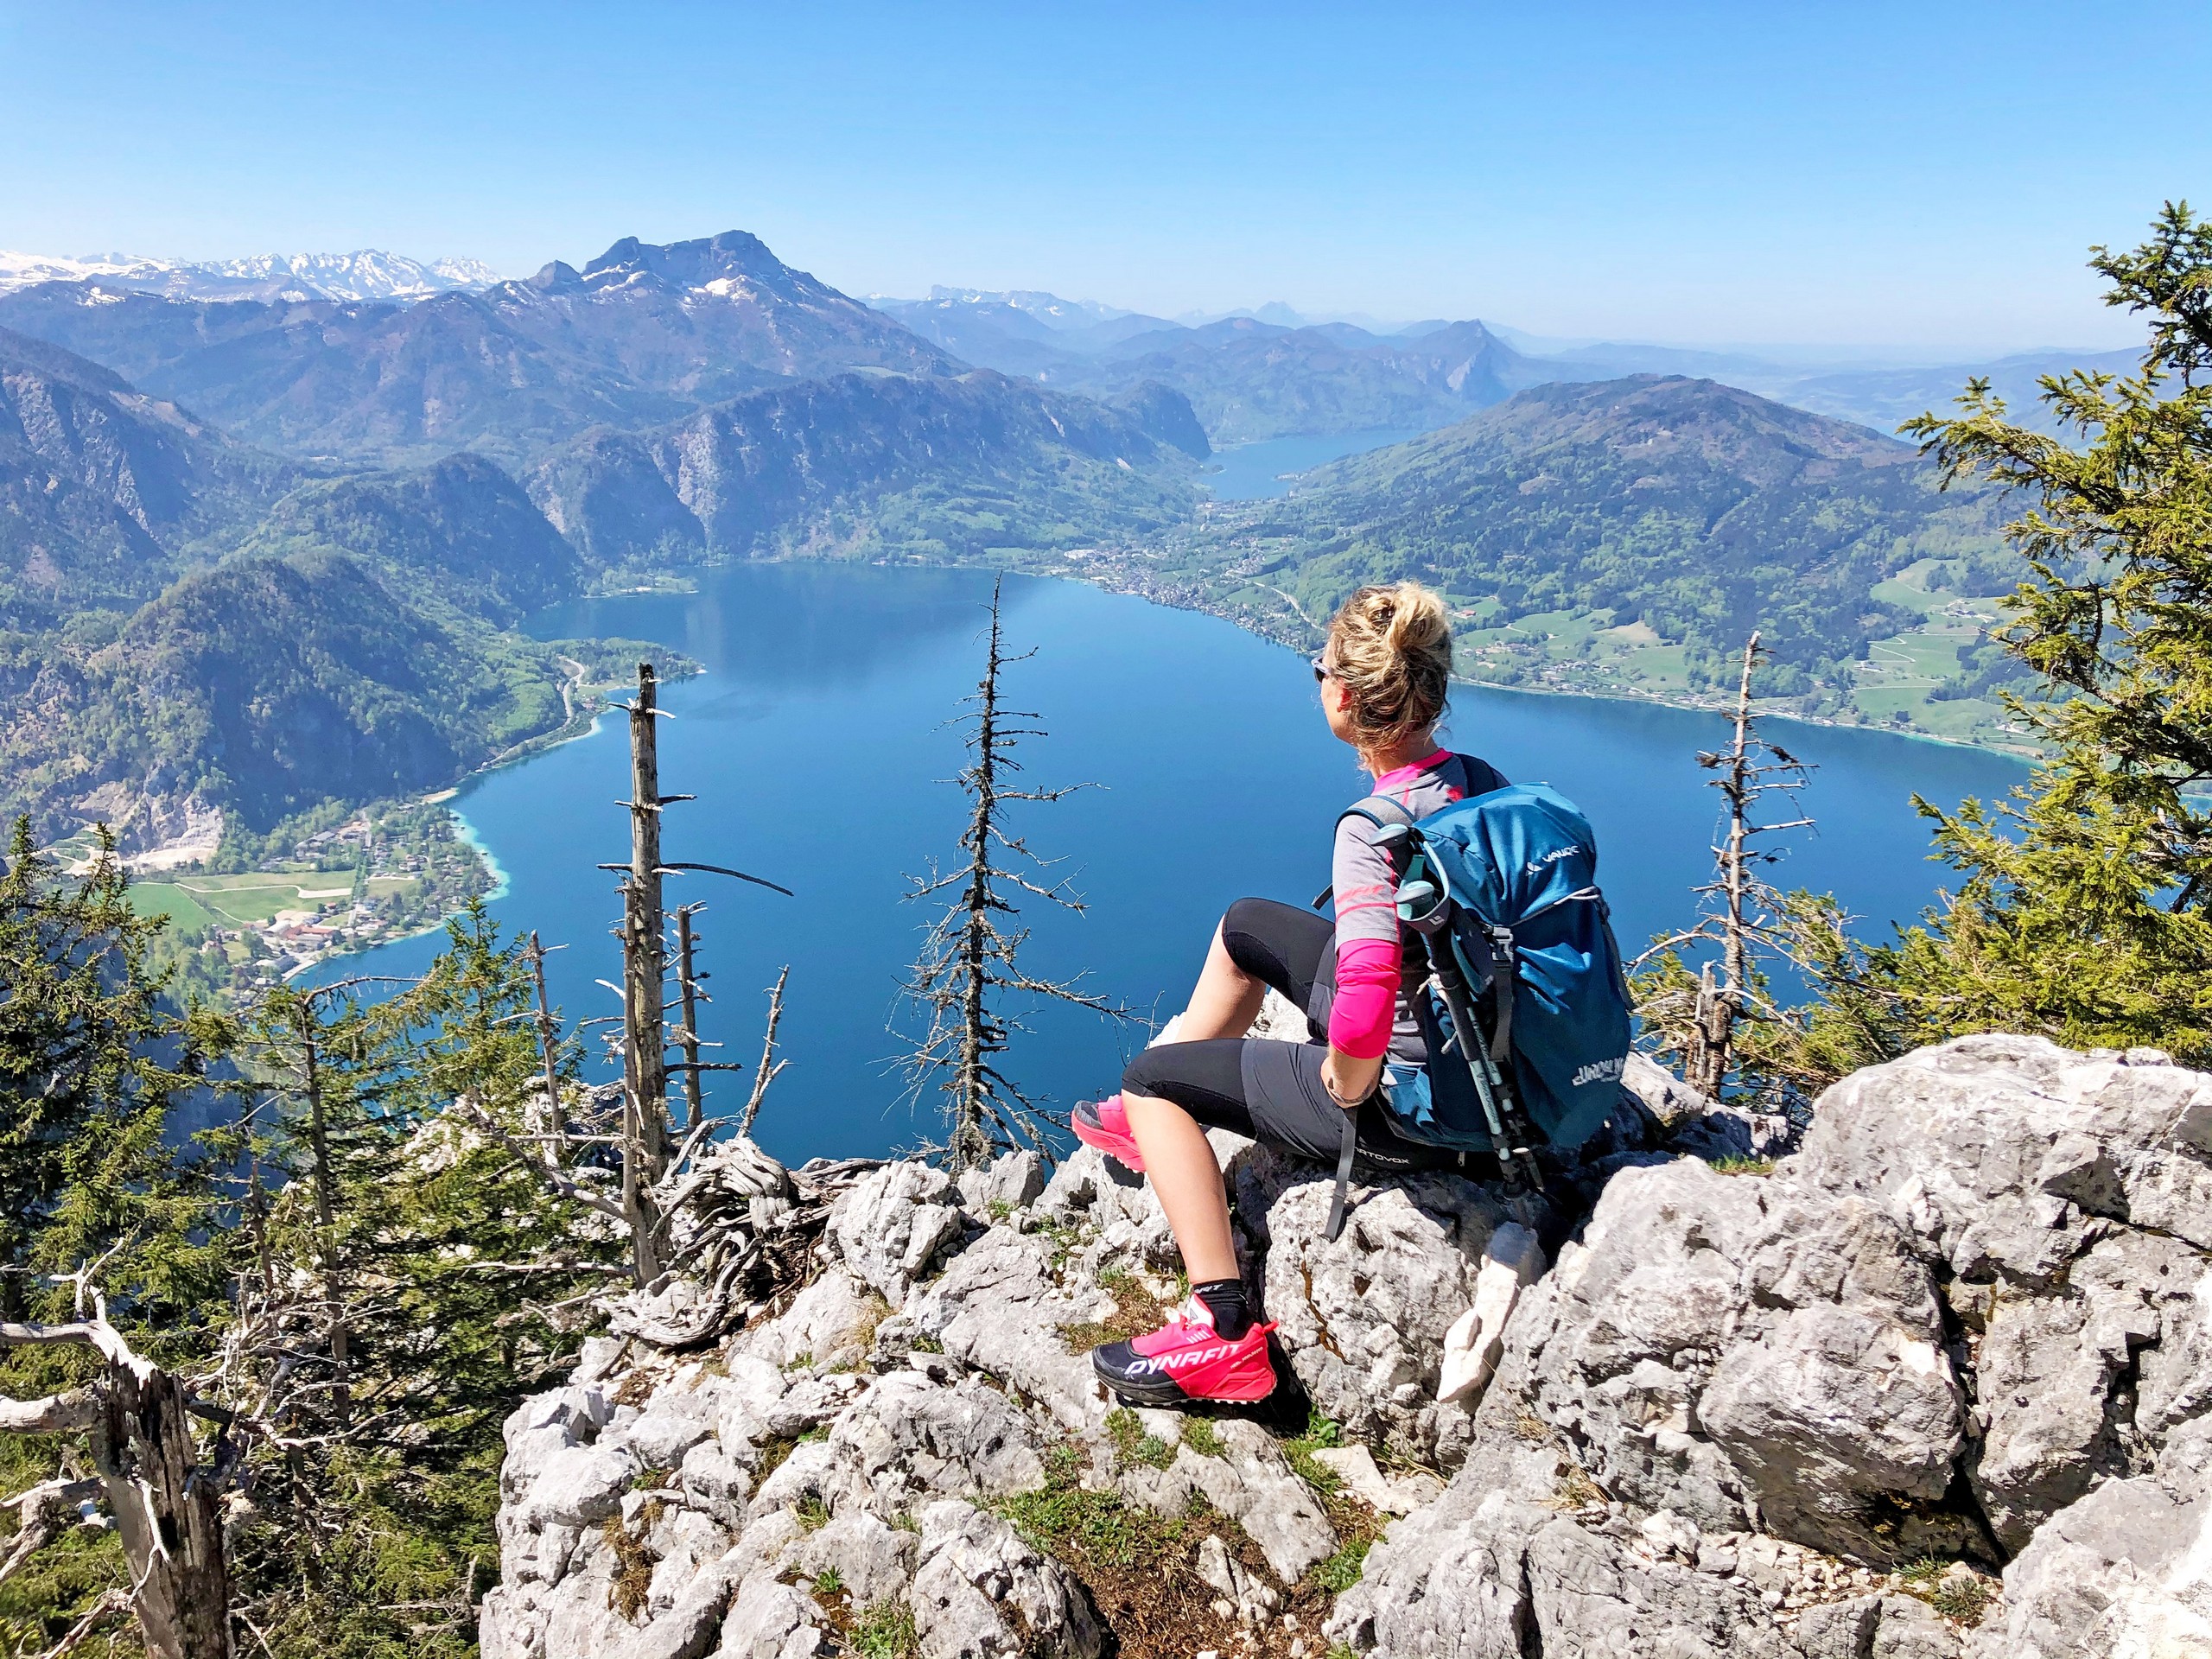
1383, 675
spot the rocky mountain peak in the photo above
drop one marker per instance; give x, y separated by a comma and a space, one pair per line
734, 257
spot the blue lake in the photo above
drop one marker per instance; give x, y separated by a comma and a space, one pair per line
816, 743
1252, 472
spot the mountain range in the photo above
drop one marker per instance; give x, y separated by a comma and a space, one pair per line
365, 274
638, 336
931, 467
262, 553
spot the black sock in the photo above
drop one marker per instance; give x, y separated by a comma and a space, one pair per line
1225, 1300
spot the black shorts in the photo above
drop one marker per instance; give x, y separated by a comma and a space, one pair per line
1272, 1091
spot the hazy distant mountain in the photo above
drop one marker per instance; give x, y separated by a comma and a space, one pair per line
1250, 381
366, 274
638, 335
989, 333
1885, 397
1882, 396
928, 465
1251, 375
105, 492
1025, 333
1048, 308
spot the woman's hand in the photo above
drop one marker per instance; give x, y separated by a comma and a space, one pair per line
1348, 1079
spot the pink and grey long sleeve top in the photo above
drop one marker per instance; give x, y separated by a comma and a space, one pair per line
1369, 1017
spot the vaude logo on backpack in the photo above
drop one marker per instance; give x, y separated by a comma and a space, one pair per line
1502, 887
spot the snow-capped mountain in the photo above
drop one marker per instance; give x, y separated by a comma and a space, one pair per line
365, 274
1048, 308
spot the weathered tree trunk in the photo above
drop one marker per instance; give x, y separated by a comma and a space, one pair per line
644, 972
687, 983
167, 1510
1711, 1049
548, 1036
325, 1212
167, 1506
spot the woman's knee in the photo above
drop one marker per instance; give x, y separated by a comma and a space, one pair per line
1245, 916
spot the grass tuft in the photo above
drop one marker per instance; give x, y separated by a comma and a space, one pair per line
1203, 1438
631, 1585
1062, 1519
884, 1631
1961, 1597
1136, 1311
1734, 1165
1321, 1434
1341, 1571
1127, 1431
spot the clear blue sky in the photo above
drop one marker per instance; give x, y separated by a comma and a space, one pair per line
1923, 173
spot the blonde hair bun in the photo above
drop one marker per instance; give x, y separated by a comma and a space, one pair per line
1391, 646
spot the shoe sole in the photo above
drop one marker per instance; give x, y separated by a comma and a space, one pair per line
1120, 1147
1168, 1393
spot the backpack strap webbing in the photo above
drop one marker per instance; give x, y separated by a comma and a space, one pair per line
1344, 1156
1380, 811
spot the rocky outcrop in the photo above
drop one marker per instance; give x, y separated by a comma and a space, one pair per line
1934, 1386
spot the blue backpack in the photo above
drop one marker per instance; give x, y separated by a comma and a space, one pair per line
1501, 891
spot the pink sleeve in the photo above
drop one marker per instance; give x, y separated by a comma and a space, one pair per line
1367, 997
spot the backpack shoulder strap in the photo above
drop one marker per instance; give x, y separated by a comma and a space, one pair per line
1477, 776
1380, 811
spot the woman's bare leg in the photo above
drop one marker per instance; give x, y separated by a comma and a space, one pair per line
1180, 1162
1224, 1003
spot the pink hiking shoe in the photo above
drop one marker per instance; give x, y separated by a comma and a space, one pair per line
1188, 1359
1105, 1124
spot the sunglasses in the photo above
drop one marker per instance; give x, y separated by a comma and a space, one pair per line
1320, 669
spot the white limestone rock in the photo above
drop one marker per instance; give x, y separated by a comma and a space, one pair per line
890, 1225
1364, 1317
1512, 1261
1012, 1182
980, 1592
828, 1323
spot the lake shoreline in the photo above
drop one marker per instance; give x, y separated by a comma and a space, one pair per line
1118, 582
1205, 606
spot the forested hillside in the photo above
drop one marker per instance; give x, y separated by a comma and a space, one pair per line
462, 528
1628, 535
105, 493
966, 467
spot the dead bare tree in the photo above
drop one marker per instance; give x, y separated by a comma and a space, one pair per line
1698, 1019
155, 1484
769, 1065
551, 1119
646, 1033
969, 959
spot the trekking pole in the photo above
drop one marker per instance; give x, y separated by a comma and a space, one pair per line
1514, 1155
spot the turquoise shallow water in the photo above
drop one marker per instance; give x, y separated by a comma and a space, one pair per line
817, 742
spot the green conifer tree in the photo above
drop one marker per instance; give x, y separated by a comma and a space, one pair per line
2083, 914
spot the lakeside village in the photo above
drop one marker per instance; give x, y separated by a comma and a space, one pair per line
244, 922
